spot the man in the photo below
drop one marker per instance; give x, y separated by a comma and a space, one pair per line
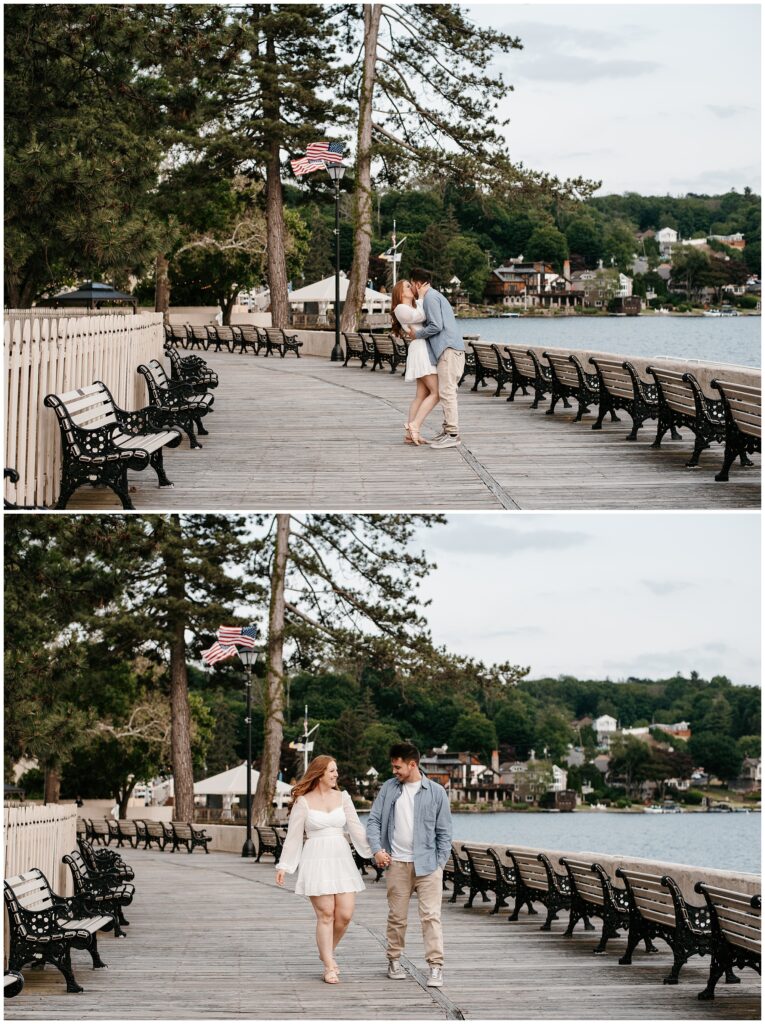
447, 350
410, 833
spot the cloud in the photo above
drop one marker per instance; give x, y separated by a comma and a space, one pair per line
499, 634
496, 540
537, 34
663, 587
716, 181
709, 659
731, 110
559, 67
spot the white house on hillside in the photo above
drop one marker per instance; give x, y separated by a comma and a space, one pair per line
666, 237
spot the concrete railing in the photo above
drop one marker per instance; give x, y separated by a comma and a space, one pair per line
54, 354
686, 875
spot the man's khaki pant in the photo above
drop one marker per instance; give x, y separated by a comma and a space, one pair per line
450, 367
402, 882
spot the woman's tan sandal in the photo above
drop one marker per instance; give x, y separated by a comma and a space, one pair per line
331, 977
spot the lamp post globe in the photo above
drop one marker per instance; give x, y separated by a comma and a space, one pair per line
336, 172
249, 660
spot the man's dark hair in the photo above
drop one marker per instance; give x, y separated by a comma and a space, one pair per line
406, 751
421, 276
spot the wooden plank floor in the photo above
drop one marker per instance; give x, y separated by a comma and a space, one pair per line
313, 434
213, 936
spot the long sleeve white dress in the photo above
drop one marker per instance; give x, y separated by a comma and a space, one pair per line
418, 361
325, 859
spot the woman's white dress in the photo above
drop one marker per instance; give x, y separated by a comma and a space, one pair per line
418, 361
325, 859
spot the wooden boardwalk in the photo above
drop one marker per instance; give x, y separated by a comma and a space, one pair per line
213, 937
309, 433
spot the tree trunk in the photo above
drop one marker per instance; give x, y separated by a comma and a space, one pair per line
362, 214
227, 306
183, 777
162, 285
52, 784
275, 230
274, 698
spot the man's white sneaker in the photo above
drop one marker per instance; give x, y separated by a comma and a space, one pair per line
435, 977
395, 971
439, 436
447, 441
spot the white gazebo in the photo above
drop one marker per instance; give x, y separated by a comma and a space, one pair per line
233, 783
322, 295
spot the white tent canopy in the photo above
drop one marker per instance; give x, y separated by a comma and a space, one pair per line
234, 783
324, 291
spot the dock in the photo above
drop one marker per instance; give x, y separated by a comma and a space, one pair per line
212, 936
309, 433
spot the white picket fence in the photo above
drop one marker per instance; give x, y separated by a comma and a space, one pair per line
38, 837
54, 354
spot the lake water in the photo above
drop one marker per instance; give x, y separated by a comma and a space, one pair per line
729, 841
725, 340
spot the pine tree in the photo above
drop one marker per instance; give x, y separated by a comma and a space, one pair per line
427, 101
345, 584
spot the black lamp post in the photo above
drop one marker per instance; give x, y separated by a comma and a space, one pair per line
249, 660
336, 172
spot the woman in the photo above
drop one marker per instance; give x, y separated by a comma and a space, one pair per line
419, 366
327, 875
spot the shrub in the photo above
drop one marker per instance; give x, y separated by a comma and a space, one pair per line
692, 797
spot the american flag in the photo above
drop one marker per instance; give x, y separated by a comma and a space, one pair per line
218, 652
229, 638
242, 636
329, 152
305, 166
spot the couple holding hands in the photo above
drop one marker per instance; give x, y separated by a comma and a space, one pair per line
409, 834
435, 358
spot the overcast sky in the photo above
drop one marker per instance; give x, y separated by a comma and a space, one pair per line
654, 98
597, 595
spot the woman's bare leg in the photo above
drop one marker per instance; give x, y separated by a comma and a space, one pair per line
324, 908
420, 394
429, 402
344, 906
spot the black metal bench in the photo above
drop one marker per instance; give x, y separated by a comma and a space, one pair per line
100, 441
185, 833
176, 334
742, 406
658, 910
152, 832
105, 860
100, 892
269, 841
682, 403
356, 348
621, 387
457, 872
362, 863
388, 349
529, 371
13, 983
569, 379
127, 832
278, 339
197, 337
251, 337
45, 927
180, 404
594, 895
736, 933
191, 370
469, 368
219, 336
490, 364
537, 881
97, 830
487, 874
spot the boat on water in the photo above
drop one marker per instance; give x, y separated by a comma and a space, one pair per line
724, 311
508, 316
668, 807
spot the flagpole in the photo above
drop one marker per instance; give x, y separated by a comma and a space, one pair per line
336, 171
394, 254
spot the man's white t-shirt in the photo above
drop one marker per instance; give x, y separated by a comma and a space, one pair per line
402, 844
